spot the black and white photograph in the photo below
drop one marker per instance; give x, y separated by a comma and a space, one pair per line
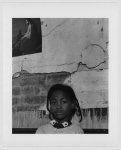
60, 75
26, 36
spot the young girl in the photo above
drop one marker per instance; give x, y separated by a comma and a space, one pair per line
64, 111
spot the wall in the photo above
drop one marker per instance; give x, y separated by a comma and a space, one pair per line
74, 52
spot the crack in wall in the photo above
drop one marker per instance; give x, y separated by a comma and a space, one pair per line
78, 64
64, 64
96, 45
54, 65
63, 22
85, 65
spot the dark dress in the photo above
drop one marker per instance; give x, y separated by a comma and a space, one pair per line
33, 43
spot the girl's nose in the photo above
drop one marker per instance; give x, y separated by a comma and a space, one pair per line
59, 105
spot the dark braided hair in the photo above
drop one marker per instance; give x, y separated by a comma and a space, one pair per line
70, 92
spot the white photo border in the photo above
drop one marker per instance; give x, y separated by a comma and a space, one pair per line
60, 10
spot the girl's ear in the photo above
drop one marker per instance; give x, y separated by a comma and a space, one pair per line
73, 105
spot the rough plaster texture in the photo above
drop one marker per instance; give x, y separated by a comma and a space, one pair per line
67, 43
77, 48
91, 88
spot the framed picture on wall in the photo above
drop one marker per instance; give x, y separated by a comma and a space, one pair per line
26, 36
58, 70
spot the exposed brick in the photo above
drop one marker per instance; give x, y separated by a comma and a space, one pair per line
27, 90
37, 90
35, 99
15, 100
29, 80
16, 91
40, 81
26, 108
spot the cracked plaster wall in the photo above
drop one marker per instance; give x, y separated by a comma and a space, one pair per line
78, 47
65, 44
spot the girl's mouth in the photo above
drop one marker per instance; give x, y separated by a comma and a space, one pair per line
59, 113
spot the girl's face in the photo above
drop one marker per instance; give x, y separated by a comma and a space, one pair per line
60, 105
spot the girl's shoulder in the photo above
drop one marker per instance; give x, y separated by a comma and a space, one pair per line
76, 128
76, 125
44, 129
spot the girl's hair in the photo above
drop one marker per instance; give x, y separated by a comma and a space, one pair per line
70, 92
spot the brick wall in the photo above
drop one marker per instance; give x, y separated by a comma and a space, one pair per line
29, 94
29, 100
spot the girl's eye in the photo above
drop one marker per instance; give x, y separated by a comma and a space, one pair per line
64, 102
53, 102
